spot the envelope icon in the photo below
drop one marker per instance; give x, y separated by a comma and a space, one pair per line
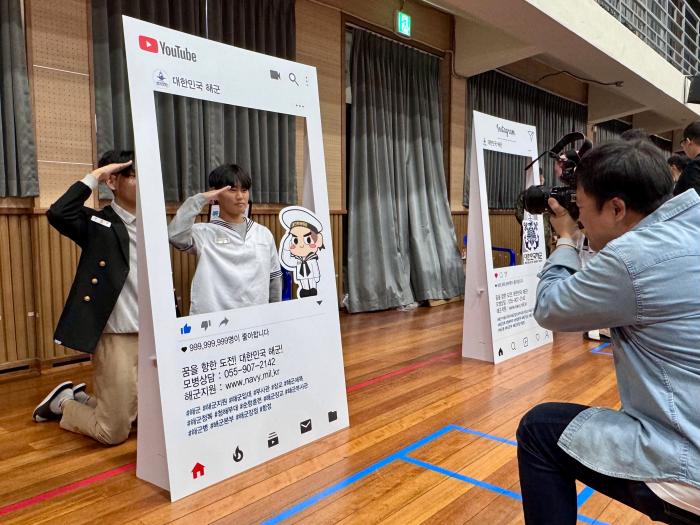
305, 426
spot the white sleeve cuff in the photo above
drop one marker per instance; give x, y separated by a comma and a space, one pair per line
90, 181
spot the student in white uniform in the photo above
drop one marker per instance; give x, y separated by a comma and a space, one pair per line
237, 262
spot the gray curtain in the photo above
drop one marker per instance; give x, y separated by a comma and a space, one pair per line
180, 129
610, 130
260, 141
195, 136
401, 239
18, 170
501, 170
502, 96
663, 144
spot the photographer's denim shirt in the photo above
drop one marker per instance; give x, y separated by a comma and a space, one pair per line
645, 285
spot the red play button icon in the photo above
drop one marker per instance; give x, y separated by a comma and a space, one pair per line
148, 44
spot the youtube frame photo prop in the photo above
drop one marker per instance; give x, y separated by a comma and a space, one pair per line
498, 302
222, 392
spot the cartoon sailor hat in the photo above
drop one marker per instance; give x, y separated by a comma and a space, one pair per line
292, 217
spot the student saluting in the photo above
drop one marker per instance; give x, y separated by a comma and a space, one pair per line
237, 261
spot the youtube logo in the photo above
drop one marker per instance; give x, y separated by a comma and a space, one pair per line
148, 44
176, 51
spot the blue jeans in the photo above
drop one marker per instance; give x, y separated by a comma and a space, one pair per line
548, 474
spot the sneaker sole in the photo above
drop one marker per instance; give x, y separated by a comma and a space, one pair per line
48, 397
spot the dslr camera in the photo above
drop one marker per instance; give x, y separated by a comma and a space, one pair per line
536, 197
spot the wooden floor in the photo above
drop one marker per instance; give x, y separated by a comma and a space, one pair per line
406, 382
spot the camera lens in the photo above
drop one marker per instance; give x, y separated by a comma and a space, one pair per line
535, 200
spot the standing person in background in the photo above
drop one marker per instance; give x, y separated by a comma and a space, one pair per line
690, 178
677, 163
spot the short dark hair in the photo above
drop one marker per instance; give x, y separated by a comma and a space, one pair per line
635, 134
636, 172
692, 131
117, 157
229, 175
679, 161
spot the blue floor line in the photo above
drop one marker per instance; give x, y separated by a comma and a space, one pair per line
462, 477
583, 496
302, 505
484, 435
402, 454
597, 349
291, 511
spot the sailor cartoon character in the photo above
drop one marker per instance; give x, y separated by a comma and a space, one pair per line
299, 248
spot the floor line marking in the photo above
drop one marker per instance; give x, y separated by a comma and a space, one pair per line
33, 500
401, 371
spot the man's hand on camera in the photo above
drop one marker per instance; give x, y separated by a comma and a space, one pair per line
561, 221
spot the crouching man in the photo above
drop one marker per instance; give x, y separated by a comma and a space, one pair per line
645, 284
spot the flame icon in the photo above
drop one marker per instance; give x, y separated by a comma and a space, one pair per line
238, 455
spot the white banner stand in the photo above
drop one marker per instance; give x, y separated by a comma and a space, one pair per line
220, 393
498, 304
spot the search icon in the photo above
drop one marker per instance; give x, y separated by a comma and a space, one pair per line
293, 78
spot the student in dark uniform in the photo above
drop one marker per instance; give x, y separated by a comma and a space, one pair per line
690, 178
100, 316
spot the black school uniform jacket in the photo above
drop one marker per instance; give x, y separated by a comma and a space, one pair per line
690, 178
102, 269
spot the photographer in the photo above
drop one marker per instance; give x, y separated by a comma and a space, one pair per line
645, 283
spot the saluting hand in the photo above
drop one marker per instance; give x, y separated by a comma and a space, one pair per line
213, 195
103, 173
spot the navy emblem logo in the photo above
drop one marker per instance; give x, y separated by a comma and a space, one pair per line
531, 235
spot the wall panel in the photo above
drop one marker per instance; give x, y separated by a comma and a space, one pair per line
319, 40
60, 263
17, 309
58, 52
60, 34
458, 116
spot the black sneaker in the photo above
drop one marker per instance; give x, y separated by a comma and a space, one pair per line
49, 409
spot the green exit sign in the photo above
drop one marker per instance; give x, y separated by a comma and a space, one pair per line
403, 24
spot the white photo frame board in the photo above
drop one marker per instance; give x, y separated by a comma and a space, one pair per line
276, 369
498, 304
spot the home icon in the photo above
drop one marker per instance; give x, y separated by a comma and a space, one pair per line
197, 470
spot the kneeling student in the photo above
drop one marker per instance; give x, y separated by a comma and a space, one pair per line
101, 313
237, 262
